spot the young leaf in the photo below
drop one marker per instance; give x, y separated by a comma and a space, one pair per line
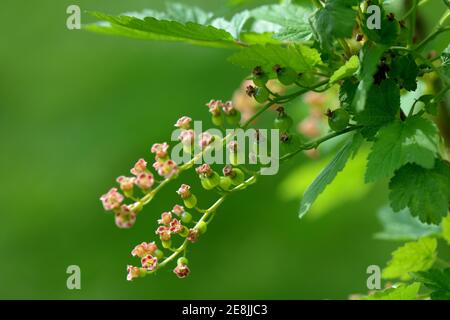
347, 93
291, 19
401, 226
446, 229
347, 70
404, 69
438, 281
403, 292
414, 140
426, 192
153, 29
369, 59
235, 25
298, 57
382, 105
328, 174
335, 20
411, 257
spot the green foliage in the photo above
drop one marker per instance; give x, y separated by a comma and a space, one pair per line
298, 57
388, 32
404, 69
402, 292
402, 226
446, 229
329, 173
335, 20
438, 281
347, 70
426, 192
414, 140
411, 257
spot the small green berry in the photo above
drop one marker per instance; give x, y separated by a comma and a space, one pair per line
225, 183
186, 217
338, 119
260, 78
202, 227
261, 95
158, 254
282, 122
237, 176
286, 76
167, 244
190, 202
217, 120
182, 261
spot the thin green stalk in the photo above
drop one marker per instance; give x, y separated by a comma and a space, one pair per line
438, 30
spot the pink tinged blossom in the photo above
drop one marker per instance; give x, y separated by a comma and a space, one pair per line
125, 217
160, 149
175, 226
166, 169
187, 137
193, 235
184, 192
112, 199
182, 271
143, 249
126, 183
149, 262
183, 123
204, 170
133, 272
205, 139
178, 210
228, 108
164, 233
214, 107
145, 181
166, 217
139, 167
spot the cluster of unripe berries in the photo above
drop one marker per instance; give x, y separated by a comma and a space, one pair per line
220, 110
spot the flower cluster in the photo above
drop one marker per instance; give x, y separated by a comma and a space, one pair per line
217, 108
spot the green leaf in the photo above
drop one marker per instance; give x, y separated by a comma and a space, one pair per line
414, 140
328, 174
445, 59
235, 25
403, 292
298, 57
335, 20
291, 20
446, 229
369, 60
404, 69
411, 257
383, 103
401, 226
430, 105
347, 70
426, 192
347, 93
438, 281
153, 29
388, 32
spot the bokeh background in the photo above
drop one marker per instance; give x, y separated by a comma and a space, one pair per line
77, 109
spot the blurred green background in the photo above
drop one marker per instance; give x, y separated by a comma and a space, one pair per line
77, 109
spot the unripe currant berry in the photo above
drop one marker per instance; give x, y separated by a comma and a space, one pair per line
260, 94
186, 217
282, 122
184, 232
158, 254
289, 142
210, 182
217, 120
190, 202
232, 115
182, 261
167, 244
235, 175
338, 119
225, 183
260, 78
286, 75
202, 227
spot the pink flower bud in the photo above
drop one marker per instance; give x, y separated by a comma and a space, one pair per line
204, 170
112, 199
145, 181
175, 226
205, 139
149, 262
182, 271
125, 217
184, 192
126, 183
164, 233
160, 149
143, 249
228, 108
139, 167
214, 107
183, 123
166, 169
166, 217
133, 272
193, 235
178, 210
187, 137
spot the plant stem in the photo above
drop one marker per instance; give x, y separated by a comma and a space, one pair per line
438, 30
412, 22
317, 3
